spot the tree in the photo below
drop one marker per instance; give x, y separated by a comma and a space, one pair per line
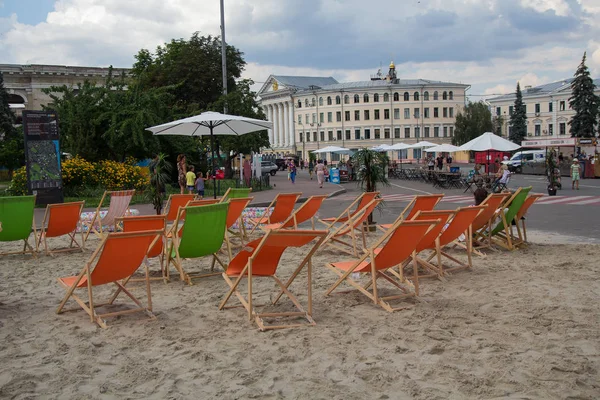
584, 102
12, 152
498, 124
518, 119
474, 120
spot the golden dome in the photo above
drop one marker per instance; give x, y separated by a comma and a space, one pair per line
392, 66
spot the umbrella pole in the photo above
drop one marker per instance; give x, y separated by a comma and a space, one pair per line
214, 171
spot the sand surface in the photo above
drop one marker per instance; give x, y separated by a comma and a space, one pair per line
521, 325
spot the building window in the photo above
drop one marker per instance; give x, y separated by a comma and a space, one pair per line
357, 115
330, 135
386, 114
550, 129
396, 96
322, 136
346, 99
299, 119
329, 100
314, 118
407, 113
436, 112
406, 96
425, 96
435, 96
417, 131
417, 113
314, 136
299, 104
348, 134
426, 112
300, 135
562, 106
396, 133
537, 108
510, 110
416, 96
338, 100
407, 133
436, 131
451, 131
396, 113
376, 97
376, 112
335, 157
306, 120
445, 131
426, 131
538, 130
357, 134
386, 97
525, 108
356, 98
338, 116
377, 133
313, 102
365, 98
451, 109
308, 136
367, 116
367, 134
338, 135
562, 128
386, 133
306, 103
320, 101
321, 118
347, 115
330, 117
445, 112
450, 95
498, 111
444, 95
550, 105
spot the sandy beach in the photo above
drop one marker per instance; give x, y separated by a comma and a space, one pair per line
522, 324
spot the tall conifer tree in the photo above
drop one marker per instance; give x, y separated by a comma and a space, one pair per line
584, 102
518, 119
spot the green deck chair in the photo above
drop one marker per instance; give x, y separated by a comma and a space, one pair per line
16, 219
235, 193
502, 233
199, 231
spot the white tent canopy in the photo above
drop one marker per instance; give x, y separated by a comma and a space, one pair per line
443, 148
332, 149
420, 145
382, 148
400, 146
488, 141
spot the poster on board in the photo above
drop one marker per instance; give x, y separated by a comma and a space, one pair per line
42, 156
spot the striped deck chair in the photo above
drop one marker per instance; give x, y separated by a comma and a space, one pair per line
360, 202
60, 220
394, 248
17, 218
305, 212
260, 259
279, 210
118, 207
117, 257
418, 203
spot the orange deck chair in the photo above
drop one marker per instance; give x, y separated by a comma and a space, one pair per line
360, 202
59, 220
117, 257
334, 239
175, 201
261, 258
520, 219
305, 212
418, 203
149, 223
460, 224
395, 246
282, 207
234, 214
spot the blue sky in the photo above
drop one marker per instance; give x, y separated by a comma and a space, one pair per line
490, 44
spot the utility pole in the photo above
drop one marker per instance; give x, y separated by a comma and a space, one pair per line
223, 53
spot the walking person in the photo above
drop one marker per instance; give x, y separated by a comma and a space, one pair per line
292, 168
440, 162
320, 169
575, 169
430, 163
181, 171
311, 167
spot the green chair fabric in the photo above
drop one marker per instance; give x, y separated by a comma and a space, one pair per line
238, 193
203, 230
16, 216
513, 209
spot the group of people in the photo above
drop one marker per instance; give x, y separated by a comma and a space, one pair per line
439, 162
188, 179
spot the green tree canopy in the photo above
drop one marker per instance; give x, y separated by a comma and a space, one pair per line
518, 119
584, 102
474, 120
12, 153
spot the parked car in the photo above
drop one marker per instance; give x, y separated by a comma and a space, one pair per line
281, 164
529, 156
268, 167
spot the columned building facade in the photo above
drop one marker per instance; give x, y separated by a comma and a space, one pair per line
309, 113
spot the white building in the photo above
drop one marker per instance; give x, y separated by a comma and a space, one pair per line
547, 106
313, 112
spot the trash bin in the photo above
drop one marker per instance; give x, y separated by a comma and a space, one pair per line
334, 175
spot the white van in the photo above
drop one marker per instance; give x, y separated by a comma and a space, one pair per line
523, 157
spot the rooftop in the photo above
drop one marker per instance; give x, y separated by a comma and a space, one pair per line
304, 82
541, 90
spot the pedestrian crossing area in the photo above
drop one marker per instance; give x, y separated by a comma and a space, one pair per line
466, 199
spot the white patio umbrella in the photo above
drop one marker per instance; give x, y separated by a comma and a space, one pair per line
443, 148
211, 123
488, 141
332, 149
420, 145
381, 148
400, 146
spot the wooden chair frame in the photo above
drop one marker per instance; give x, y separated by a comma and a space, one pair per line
348, 213
270, 210
42, 235
241, 233
413, 208
529, 201
292, 221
